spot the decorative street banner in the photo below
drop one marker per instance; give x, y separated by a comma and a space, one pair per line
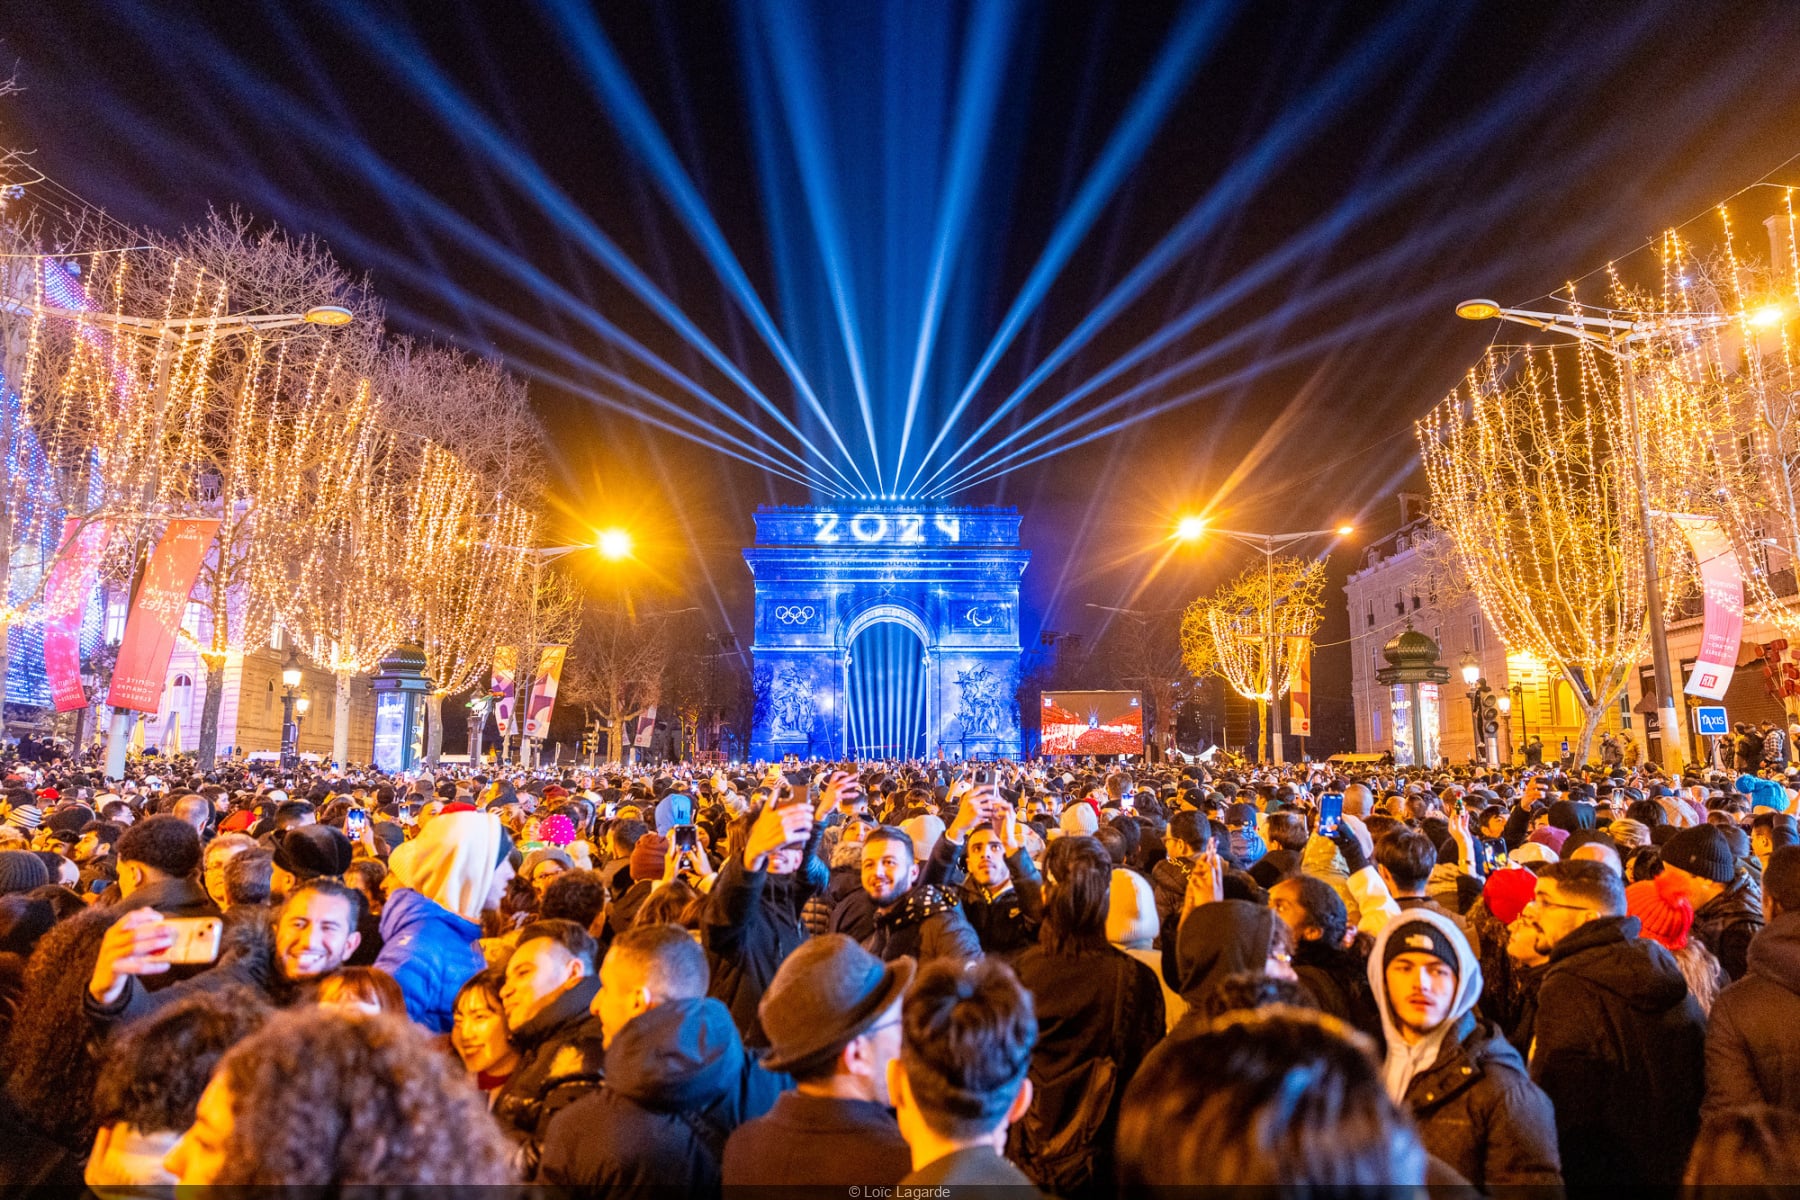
543, 691
646, 727
506, 666
1300, 686
65, 596
1722, 585
137, 681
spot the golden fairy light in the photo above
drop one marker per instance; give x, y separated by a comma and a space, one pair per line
1229, 634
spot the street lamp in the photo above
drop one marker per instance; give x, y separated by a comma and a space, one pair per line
290, 731
1193, 527
1504, 703
1619, 339
1484, 730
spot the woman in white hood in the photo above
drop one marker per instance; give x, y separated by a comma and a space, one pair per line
1476, 1107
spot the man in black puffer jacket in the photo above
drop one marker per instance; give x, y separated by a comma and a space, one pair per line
1477, 1110
751, 919
1753, 1031
1619, 1042
999, 892
678, 1079
550, 986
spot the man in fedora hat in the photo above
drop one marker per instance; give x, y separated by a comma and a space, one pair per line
832, 1015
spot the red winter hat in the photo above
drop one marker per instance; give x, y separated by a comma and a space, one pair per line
1666, 918
1551, 836
647, 857
456, 806
1508, 891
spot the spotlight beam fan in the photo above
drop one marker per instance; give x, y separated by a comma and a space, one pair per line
1194, 33
430, 84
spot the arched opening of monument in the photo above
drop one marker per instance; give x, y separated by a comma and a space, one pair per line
886, 692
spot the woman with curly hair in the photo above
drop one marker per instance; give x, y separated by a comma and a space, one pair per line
328, 1100
152, 1077
50, 1062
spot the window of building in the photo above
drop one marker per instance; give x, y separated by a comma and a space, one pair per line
1371, 614
278, 639
1475, 633
269, 702
1625, 710
1415, 604
192, 617
1375, 722
115, 620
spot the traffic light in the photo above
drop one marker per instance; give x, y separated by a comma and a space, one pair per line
1490, 715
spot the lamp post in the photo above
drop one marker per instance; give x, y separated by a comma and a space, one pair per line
290, 731
181, 330
1269, 545
1620, 340
1484, 730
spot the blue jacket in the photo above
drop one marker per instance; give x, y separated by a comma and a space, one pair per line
430, 952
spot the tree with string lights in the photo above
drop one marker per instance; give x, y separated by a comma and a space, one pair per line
1532, 483
1240, 633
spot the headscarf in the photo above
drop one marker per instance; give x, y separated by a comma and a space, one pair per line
453, 860
1406, 1060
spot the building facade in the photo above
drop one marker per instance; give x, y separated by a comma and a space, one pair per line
1399, 585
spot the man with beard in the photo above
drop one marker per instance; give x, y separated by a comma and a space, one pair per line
1000, 894
911, 918
313, 934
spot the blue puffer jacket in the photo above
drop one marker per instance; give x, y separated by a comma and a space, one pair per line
430, 952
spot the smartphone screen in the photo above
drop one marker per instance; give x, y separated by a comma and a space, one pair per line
355, 821
1331, 813
686, 837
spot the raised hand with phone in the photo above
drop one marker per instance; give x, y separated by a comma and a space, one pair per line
782, 822
144, 942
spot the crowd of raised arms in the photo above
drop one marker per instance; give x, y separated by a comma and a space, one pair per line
1085, 978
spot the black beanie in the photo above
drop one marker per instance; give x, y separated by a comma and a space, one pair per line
312, 851
1416, 936
1702, 851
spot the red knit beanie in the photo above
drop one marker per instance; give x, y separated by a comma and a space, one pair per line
1666, 917
647, 857
1508, 891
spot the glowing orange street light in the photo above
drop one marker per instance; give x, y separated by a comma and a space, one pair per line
1189, 528
614, 545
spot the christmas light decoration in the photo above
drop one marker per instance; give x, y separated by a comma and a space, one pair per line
1240, 633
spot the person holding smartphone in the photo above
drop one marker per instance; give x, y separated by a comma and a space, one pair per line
751, 919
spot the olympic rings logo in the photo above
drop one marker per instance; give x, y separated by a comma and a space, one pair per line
795, 614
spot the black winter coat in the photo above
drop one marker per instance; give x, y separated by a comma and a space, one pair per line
1479, 1113
678, 1081
561, 1059
1338, 979
923, 924
749, 924
1620, 1049
1006, 924
1099, 1014
1728, 921
1753, 1032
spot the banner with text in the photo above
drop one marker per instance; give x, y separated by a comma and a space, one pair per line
137, 680
505, 687
1300, 686
1722, 586
543, 691
646, 727
65, 599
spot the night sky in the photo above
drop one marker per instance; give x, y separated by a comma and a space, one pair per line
1315, 187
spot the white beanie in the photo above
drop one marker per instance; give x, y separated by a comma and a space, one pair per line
1131, 922
1079, 820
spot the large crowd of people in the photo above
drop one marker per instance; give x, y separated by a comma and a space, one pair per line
1083, 978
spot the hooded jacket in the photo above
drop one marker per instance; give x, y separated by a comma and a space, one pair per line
678, 1081
1753, 1031
1619, 1048
1214, 941
429, 928
1476, 1108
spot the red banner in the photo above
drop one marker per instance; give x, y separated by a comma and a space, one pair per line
1722, 585
65, 597
156, 613
1300, 686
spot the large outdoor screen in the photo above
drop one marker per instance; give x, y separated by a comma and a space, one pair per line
1092, 723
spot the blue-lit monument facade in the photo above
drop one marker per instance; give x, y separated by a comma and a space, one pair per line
886, 631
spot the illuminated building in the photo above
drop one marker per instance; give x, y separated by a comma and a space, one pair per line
886, 631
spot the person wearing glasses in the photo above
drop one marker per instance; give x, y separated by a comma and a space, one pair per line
1619, 1042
